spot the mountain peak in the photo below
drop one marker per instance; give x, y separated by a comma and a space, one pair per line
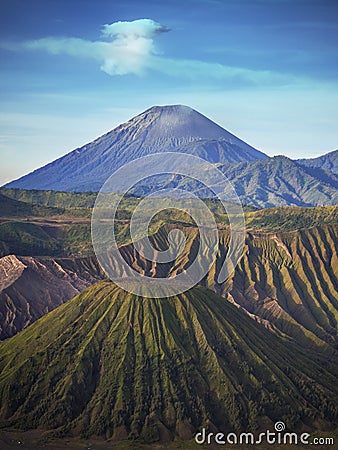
174, 109
171, 110
177, 123
174, 128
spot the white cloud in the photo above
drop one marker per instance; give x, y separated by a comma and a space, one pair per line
145, 28
195, 69
132, 46
129, 48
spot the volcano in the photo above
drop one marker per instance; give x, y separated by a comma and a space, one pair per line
158, 129
112, 364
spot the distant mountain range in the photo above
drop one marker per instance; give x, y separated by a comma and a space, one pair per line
280, 181
267, 183
325, 162
259, 180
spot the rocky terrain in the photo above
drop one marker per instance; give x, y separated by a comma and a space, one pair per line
31, 287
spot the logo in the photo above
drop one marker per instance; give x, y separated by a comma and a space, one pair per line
279, 426
278, 437
182, 167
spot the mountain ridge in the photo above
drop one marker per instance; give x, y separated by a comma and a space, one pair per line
265, 183
281, 181
328, 161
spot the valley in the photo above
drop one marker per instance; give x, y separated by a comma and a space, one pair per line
286, 278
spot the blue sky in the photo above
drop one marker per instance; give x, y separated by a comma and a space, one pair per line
266, 70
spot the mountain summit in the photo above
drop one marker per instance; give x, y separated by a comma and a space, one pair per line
158, 129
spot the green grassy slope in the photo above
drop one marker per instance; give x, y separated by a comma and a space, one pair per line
10, 207
23, 238
69, 230
110, 363
56, 199
290, 218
